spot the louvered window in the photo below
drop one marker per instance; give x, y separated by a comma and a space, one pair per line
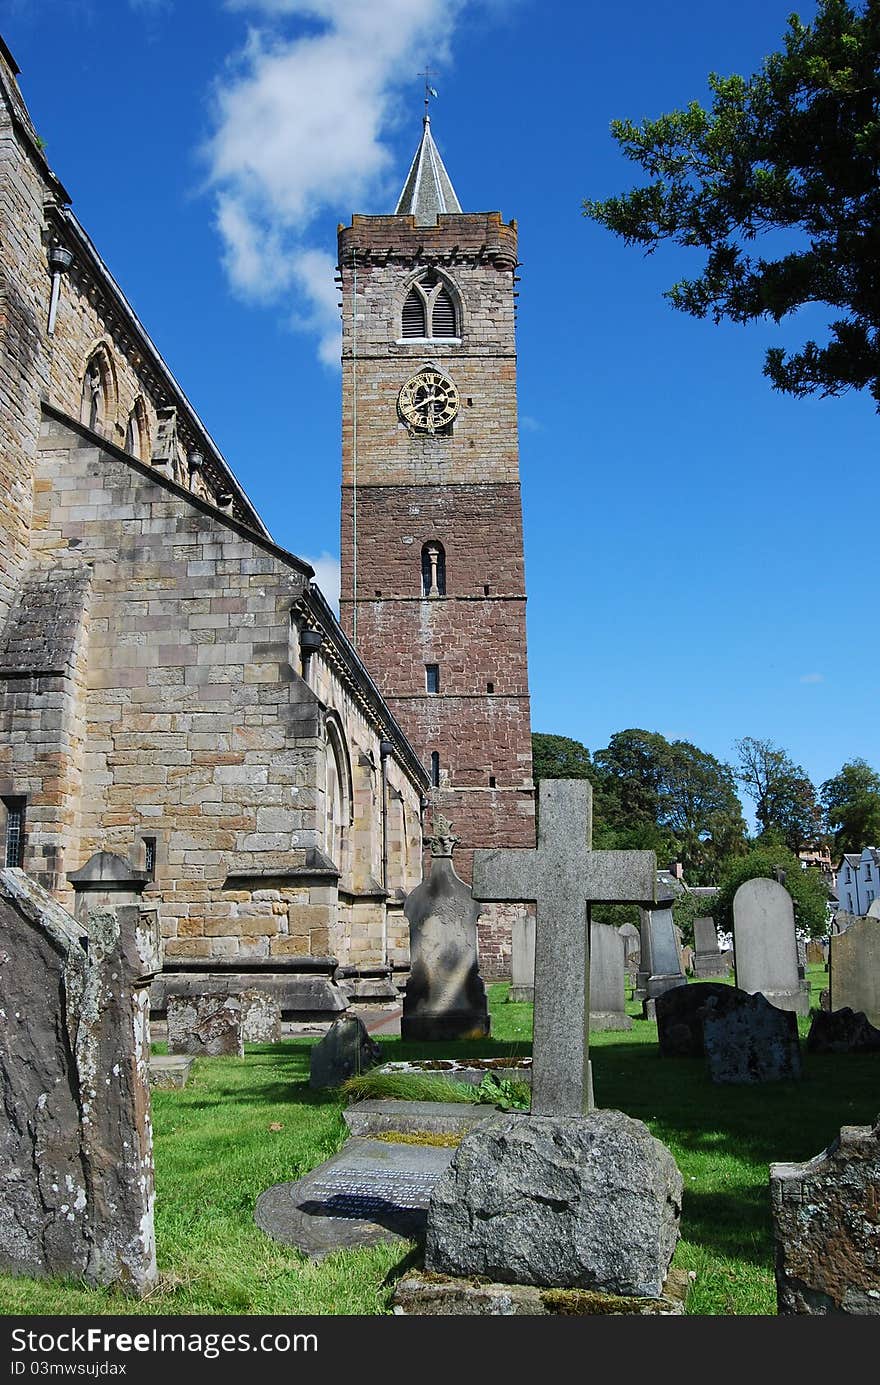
443, 321
414, 315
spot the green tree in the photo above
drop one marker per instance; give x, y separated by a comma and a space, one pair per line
787, 156
671, 797
852, 806
559, 757
784, 797
808, 890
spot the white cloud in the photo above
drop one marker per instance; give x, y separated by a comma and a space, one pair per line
812, 678
300, 121
327, 576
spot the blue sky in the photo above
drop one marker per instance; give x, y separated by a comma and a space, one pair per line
700, 551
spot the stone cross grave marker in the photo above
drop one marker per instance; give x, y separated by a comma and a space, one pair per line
563, 877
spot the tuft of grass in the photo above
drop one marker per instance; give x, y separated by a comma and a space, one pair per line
407, 1086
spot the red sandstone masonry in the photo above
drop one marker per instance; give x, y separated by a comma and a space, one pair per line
402, 490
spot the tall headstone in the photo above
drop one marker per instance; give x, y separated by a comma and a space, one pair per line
76, 1162
445, 997
522, 958
566, 1196
854, 969
607, 984
665, 959
765, 945
708, 961
632, 946
563, 877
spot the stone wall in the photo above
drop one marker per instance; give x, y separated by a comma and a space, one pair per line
200, 736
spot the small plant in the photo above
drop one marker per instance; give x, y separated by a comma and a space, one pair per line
503, 1092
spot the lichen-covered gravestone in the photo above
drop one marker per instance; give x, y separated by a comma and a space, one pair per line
205, 1026
76, 1153
260, 1018
445, 997
825, 1227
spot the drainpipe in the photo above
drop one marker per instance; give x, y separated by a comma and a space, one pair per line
60, 260
385, 749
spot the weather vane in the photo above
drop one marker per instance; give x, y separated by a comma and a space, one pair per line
429, 90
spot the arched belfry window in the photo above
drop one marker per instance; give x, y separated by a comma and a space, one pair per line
433, 569
429, 310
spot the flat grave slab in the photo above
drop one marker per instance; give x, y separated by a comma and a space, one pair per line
434, 1117
370, 1191
171, 1070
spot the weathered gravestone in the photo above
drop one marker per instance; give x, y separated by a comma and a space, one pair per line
607, 980
345, 1051
680, 1014
765, 945
746, 1039
445, 997
632, 944
260, 1018
825, 1227
660, 947
205, 1026
854, 969
708, 961
522, 957
842, 1031
76, 1149
560, 1197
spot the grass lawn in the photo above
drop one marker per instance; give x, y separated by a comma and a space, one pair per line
240, 1126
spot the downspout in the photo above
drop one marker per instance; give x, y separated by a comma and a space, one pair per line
385, 749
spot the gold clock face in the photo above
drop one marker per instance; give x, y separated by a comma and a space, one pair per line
428, 401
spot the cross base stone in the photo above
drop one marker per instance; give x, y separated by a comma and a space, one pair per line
425, 1294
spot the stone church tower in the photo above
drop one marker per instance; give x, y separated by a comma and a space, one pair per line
433, 580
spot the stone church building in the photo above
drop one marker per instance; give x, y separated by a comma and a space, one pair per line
183, 720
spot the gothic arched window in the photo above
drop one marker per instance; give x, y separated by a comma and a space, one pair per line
137, 432
98, 399
433, 570
414, 315
429, 310
443, 316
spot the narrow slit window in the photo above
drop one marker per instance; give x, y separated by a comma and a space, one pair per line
433, 570
490, 687
150, 856
14, 850
435, 769
432, 677
492, 784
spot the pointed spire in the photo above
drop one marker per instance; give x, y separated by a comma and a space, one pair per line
428, 188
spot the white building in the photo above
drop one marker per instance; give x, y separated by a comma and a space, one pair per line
858, 880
